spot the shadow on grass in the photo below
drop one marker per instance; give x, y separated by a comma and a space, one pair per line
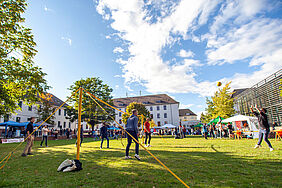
107, 168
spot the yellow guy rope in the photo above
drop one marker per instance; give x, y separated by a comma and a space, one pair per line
139, 142
10, 153
108, 113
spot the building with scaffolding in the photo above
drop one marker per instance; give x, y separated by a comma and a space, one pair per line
265, 94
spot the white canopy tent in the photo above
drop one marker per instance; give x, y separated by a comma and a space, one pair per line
252, 122
168, 126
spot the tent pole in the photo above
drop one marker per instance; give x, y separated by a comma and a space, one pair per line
79, 123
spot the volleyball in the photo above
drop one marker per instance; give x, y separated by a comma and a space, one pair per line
218, 84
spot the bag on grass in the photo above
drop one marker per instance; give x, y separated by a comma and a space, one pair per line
70, 165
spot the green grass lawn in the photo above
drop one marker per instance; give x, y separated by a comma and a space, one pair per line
198, 162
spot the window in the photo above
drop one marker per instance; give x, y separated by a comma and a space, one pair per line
165, 115
151, 108
65, 112
30, 108
158, 115
120, 121
69, 124
164, 107
64, 124
119, 114
20, 104
18, 119
159, 123
158, 107
59, 112
159, 101
59, 124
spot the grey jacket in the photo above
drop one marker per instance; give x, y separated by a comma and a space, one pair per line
132, 124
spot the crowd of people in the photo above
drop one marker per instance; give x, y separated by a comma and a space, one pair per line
218, 130
213, 130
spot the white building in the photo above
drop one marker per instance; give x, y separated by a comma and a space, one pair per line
163, 108
60, 120
187, 117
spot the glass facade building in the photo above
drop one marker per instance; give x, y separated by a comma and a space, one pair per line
265, 94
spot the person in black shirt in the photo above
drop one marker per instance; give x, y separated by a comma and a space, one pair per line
104, 134
230, 129
30, 138
263, 126
68, 133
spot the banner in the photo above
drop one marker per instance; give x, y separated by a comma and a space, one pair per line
12, 140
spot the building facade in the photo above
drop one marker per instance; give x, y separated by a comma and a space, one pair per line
187, 117
163, 108
60, 120
265, 94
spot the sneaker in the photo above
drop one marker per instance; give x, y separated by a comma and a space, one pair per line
29, 153
127, 157
101, 148
137, 157
271, 149
257, 146
23, 155
149, 145
145, 146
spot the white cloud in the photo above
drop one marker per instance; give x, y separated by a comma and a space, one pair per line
199, 114
184, 53
67, 39
200, 106
48, 9
118, 50
235, 34
117, 86
185, 106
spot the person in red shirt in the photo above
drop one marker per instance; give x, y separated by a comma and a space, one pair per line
147, 132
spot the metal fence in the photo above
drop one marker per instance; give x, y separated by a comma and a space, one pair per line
266, 94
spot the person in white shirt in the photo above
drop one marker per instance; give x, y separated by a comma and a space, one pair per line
45, 132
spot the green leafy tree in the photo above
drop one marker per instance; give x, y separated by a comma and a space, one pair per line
91, 112
142, 110
221, 104
205, 118
45, 109
20, 80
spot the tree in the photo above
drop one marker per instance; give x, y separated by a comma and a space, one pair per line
221, 104
91, 112
20, 80
45, 109
142, 110
205, 118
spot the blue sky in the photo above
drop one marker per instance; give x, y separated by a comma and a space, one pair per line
182, 48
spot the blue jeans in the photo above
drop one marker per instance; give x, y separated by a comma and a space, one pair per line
264, 134
108, 142
129, 141
44, 138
